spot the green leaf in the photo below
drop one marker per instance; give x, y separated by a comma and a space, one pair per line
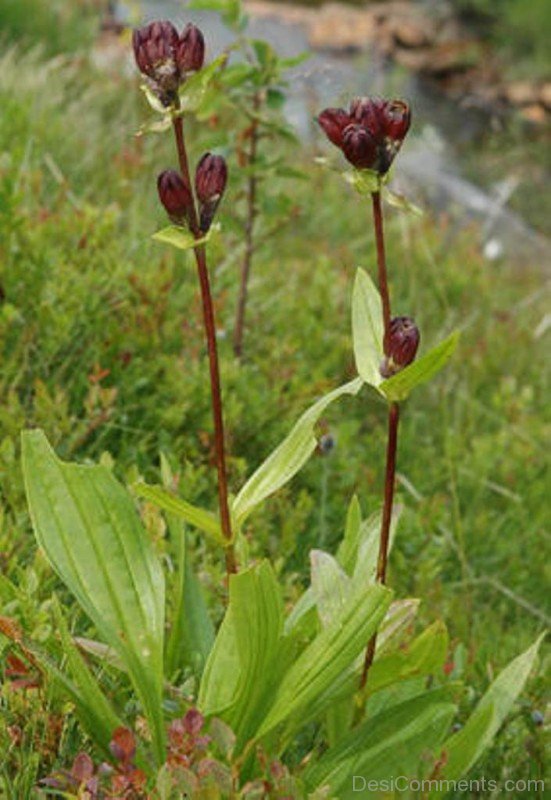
424, 656
196, 86
331, 586
179, 237
191, 630
348, 548
289, 457
421, 658
294, 61
96, 712
331, 652
198, 517
154, 101
88, 527
387, 745
245, 662
400, 385
367, 328
464, 748
365, 565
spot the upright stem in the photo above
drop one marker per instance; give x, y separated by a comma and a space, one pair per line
210, 332
381, 259
249, 227
382, 560
393, 419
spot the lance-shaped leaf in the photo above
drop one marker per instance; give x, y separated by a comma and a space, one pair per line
400, 385
464, 748
88, 527
331, 653
245, 661
288, 458
385, 746
172, 504
367, 328
94, 709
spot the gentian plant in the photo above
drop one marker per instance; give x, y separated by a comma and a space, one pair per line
285, 698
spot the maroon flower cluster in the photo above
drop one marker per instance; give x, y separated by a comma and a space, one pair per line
400, 345
371, 133
211, 177
166, 57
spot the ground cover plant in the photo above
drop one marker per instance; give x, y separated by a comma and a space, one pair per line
123, 319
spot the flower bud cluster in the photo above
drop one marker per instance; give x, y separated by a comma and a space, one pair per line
211, 177
400, 345
370, 134
166, 57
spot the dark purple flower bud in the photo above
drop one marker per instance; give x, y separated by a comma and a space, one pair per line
175, 196
210, 181
190, 53
367, 112
333, 121
359, 147
400, 345
396, 119
154, 48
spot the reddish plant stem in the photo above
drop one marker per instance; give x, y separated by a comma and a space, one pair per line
249, 228
381, 259
210, 333
392, 437
382, 560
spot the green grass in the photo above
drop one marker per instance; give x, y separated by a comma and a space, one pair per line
101, 345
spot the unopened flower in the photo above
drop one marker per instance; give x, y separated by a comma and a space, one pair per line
190, 54
370, 133
175, 196
166, 57
400, 345
210, 182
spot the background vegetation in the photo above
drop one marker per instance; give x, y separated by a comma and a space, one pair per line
101, 345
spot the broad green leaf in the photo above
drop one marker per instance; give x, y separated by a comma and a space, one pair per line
385, 746
288, 458
195, 87
400, 385
367, 328
331, 652
88, 527
198, 517
179, 237
245, 662
464, 748
421, 658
